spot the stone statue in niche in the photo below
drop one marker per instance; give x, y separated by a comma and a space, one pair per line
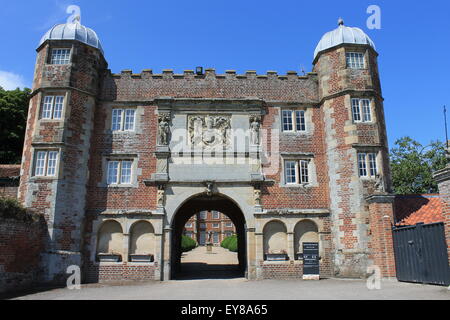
209, 131
163, 129
257, 197
255, 125
379, 184
160, 196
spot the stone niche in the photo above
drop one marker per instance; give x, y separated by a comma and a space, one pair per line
275, 240
305, 231
110, 242
142, 241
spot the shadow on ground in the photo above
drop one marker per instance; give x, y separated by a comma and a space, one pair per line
200, 271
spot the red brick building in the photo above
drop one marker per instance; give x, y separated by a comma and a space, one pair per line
117, 163
209, 226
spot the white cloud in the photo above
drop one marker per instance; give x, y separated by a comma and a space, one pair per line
11, 81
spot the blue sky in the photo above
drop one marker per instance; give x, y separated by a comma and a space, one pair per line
413, 43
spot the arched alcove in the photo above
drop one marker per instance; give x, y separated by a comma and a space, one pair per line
305, 231
275, 238
142, 238
110, 238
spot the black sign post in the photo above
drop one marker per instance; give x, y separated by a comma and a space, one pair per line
311, 258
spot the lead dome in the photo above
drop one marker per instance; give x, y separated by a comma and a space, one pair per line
341, 35
73, 31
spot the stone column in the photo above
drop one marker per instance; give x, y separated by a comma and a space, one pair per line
259, 254
159, 243
381, 221
290, 246
166, 266
442, 178
251, 254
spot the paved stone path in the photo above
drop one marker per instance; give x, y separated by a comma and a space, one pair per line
241, 289
218, 256
218, 280
220, 263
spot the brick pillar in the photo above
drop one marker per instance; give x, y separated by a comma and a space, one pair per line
442, 178
381, 220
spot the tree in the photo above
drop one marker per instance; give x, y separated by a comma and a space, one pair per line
413, 166
13, 121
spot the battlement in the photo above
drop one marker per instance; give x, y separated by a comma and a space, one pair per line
209, 73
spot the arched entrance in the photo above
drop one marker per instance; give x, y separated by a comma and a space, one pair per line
199, 203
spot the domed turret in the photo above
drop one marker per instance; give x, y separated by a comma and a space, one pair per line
341, 35
73, 31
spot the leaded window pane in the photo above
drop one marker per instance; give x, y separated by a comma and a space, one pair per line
362, 164
290, 168
356, 110
52, 161
300, 120
116, 120
40, 163
47, 107
126, 172
113, 170
287, 120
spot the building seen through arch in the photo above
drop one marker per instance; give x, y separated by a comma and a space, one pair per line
215, 223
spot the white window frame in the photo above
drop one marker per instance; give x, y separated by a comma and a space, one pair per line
296, 124
368, 164
361, 110
123, 125
203, 215
46, 161
52, 107
188, 225
355, 60
61, 58
216, 215
301, 177
119, 172
216, 225
229, 225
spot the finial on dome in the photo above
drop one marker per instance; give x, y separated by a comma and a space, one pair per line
341, 22
77, 19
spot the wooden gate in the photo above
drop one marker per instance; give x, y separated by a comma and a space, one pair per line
421, 254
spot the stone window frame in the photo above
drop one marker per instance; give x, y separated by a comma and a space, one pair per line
49, 59
57, 164
138, 113
293, 112
298, 157
54, 94
135, 171
124, 111
360, 54
367, 152
361, 114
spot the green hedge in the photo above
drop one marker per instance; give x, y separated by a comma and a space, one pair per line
187, 243
10, 208
230, 243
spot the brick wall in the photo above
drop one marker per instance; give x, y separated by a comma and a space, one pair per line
121, 272
381, 239
20, 248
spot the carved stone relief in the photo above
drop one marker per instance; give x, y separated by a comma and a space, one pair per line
209, 131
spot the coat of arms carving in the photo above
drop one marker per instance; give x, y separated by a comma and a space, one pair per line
209, 131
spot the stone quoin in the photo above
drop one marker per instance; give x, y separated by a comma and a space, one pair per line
118, 163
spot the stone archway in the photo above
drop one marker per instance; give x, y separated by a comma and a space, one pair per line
199, 203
